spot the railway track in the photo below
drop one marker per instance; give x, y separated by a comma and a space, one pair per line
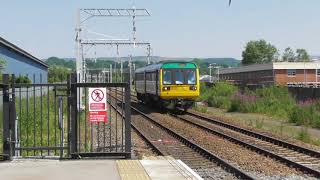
306, 160
301, 158
166, 141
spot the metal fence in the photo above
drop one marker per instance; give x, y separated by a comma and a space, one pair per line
101, 138
45, 120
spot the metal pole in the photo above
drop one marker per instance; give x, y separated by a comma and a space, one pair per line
6, 118
210, 67
149, 52
218, 74
130, 73
110, 73
61, 126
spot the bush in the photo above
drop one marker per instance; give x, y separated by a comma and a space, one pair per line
23, 80
297, 116
219, 95
273, 101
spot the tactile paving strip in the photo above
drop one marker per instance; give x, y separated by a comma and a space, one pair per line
131, 170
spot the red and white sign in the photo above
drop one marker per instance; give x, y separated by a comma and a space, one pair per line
97, 105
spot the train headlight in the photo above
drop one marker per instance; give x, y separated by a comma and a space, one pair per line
193, 88
166, 88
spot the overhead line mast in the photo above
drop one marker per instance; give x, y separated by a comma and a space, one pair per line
84, 15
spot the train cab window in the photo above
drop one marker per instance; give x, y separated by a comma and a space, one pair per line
179, 77
191, 76
167, 78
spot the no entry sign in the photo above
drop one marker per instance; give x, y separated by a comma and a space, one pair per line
97, 104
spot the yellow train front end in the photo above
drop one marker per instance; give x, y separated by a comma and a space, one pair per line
179, 85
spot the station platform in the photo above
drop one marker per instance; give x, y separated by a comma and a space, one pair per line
145, 169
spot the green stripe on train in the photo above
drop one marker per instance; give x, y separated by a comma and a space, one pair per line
178, 66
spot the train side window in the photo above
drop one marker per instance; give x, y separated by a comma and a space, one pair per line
139, 77
167, 77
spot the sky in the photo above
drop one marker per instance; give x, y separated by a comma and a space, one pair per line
176, 28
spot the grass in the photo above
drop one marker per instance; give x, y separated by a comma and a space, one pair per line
266, 123
38, 122
272, 101
304, 135
200, 108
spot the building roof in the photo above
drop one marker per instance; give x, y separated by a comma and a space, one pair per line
22, 52
271, 66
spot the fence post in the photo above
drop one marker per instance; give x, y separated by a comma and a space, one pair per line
6, 117
69, 112
73, 115
128, 119
12, 115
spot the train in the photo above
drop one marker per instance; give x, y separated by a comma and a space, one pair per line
169, 85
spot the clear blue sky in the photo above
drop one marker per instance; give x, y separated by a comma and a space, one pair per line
177, 28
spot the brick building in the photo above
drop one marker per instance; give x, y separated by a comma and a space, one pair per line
291, 74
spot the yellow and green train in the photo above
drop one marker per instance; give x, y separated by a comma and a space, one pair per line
170, 84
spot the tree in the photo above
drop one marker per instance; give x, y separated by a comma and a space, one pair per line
23, 80
58, 74
288, 55
54, 61
259, 52
302, 56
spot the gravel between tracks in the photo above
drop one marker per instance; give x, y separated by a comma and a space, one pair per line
258, 165
139, 147
234, 122
176, 149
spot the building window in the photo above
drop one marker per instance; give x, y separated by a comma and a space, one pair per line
291, 72
318, 72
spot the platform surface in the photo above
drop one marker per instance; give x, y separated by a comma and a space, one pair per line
148, 168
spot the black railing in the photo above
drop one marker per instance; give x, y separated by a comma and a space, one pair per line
46, 120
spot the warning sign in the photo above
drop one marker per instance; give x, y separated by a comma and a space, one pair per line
97, 105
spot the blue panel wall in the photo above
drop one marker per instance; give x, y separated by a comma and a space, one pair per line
20, 65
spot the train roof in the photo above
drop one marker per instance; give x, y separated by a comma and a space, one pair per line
167, 65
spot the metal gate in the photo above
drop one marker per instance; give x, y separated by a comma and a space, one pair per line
44, 120
111, 138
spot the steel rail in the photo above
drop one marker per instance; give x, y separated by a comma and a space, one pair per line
253, 147
202, 151
269, 139
139, 132
205, 153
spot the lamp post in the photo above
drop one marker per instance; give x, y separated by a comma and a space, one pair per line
218, 69
210, 68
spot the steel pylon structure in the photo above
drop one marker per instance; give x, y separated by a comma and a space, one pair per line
84, 15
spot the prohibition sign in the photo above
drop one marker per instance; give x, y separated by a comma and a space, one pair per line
97, 95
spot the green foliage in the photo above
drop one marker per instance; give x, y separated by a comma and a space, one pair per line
304, 135
218, 95
200, 108
305, 116
55, 61
23, 80
58, 74
273, 101
258, 52
302, 55
41, 116
288, 55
